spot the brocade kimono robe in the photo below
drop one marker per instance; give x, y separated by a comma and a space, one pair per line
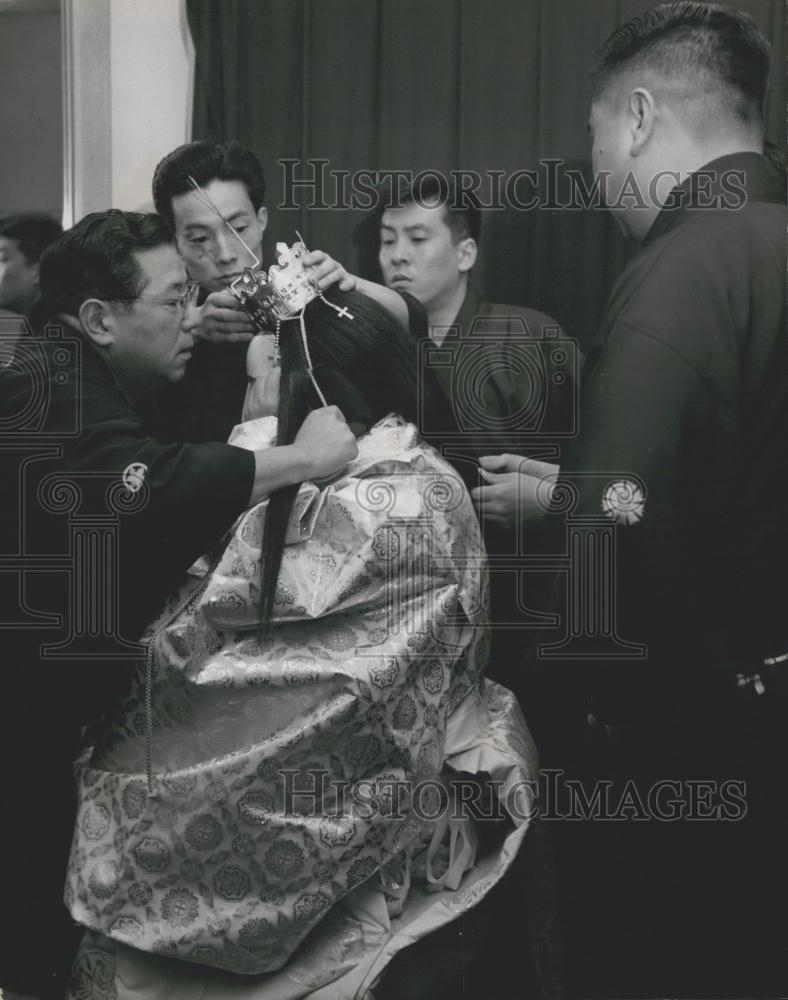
300, 821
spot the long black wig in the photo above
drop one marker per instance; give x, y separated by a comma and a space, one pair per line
369, 367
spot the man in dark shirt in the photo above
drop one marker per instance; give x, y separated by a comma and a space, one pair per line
511, 376
23, 239
510, 373
496, 362
671, 665
99, 489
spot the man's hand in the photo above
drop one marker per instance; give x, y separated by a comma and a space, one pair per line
222, 321
325, 439
262, 396
327, 272
262, 392
323, 446
519, 489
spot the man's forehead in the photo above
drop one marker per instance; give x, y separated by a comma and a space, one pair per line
162, 267
430, 216
230, 197
594, 113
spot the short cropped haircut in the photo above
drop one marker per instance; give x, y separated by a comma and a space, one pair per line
95, 260
462, 213
697, 46
33, 231
206, 162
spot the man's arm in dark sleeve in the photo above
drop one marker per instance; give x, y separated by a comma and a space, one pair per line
185, 495
417, 316
646, 458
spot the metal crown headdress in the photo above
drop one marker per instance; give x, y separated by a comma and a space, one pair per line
281, 294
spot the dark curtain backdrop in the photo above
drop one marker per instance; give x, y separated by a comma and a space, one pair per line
485, 85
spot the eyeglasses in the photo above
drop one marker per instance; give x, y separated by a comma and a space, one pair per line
188, 297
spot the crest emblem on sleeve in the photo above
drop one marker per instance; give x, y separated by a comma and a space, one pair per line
623, 501
134, 476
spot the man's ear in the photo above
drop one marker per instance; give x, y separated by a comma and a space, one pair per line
467, 251
262, 217
643, 116
95, 319
34, 268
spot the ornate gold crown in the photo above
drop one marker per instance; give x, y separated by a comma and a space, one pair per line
280, 294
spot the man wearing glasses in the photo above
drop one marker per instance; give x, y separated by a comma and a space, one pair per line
117, 289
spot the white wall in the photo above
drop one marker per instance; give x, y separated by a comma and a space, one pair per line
128, 87
151, 63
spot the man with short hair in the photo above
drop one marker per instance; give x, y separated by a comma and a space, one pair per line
212, 197
682, 446
428, 246
117, 285
22, 241
429, 240
496, 365
117, 280
511, 377
232, 191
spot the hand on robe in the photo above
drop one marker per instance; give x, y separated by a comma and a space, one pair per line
518, 489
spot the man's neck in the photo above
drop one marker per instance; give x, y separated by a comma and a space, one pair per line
697, 158
673, 170
130, 384
443, 314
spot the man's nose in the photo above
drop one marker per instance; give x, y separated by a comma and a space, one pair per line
190, 319
400, 252
227, 247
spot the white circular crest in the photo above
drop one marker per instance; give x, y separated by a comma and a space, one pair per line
134, 476
624, 502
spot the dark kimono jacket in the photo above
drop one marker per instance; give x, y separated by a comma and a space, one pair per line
104, 506
682, 446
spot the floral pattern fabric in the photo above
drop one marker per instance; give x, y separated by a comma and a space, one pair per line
284, 769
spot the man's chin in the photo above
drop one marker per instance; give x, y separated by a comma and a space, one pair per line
409, 287
178, 372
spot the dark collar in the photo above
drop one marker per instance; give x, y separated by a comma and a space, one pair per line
726, 182
92, 360
469, 309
